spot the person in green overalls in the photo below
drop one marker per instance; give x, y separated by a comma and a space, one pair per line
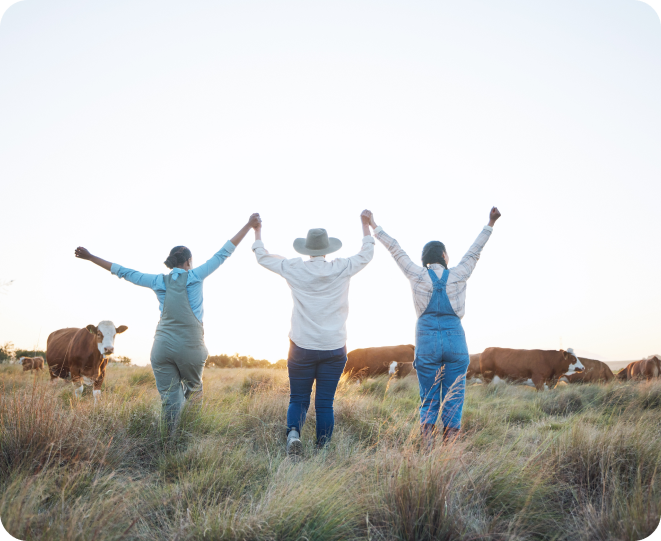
179, 353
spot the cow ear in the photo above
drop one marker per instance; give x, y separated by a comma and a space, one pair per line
91, 329
121, 329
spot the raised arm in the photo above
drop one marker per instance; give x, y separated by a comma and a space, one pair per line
361, 259
467, 264
138, 278
204, 270
83, 253
254, 221
272, 262
410, 269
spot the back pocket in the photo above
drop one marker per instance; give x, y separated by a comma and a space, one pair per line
425, 343
455, 342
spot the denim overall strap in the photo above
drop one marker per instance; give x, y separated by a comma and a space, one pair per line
439, 283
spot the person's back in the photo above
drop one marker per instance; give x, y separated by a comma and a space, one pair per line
320, 291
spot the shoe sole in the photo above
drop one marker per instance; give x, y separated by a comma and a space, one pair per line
295, 448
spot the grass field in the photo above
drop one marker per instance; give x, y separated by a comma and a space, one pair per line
578, 462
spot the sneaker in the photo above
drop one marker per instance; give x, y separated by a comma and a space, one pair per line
294, 445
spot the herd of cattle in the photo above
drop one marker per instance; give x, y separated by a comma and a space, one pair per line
82, 355
538, 368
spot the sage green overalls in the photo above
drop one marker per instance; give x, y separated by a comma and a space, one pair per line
178, 354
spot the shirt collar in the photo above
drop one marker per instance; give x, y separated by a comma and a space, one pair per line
176, 272
437, 266
317, 258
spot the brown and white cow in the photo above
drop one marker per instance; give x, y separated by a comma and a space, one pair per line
648, 368
32, 363
541, 368
82, 354
595, 372
393, 360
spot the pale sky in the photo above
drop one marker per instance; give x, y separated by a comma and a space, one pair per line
131, 127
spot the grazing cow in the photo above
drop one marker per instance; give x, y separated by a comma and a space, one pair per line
541, 368
32, 363
595, 372
648, 368
393, 360
83, 354
474, 367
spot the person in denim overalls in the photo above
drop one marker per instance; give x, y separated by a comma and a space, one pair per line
441, 361
441, 354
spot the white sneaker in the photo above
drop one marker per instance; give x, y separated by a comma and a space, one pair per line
294, 445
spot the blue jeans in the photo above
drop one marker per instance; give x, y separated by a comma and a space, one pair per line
304, 367
441, 363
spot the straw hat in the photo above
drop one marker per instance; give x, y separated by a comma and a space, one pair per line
317, 243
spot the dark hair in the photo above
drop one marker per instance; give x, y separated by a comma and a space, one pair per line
178, 256
433, 253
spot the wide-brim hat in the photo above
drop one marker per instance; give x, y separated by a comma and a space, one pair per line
317, 243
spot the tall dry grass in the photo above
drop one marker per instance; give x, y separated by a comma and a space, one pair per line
573, 463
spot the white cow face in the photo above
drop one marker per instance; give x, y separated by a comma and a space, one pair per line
575, 364
105, 336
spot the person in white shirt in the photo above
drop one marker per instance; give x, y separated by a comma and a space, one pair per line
441, 354
317, 352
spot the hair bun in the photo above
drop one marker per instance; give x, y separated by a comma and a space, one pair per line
178, 256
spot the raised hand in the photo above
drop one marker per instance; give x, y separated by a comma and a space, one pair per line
255, 221
493, 216
83, 253
366, 217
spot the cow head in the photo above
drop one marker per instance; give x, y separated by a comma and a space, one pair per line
572, 362
105, 336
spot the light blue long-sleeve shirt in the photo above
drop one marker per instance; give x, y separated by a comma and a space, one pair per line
193, 286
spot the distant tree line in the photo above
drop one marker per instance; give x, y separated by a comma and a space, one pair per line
8, 352
29, 353
241, 361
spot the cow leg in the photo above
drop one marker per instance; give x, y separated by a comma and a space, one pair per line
77, 382
539, 382
98, 382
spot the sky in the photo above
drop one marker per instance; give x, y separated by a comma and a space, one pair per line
131, 127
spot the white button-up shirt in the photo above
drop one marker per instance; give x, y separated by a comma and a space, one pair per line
421, 284
320, 290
